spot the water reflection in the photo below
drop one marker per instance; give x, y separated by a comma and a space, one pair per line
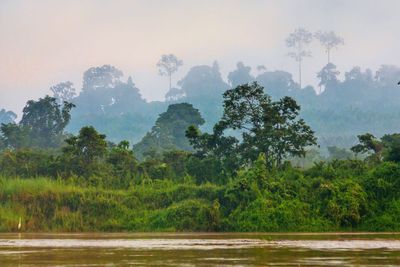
199, 249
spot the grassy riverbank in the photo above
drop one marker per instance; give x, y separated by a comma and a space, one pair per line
339, 196
47, 205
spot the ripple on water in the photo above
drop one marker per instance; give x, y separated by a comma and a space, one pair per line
354, 245
168, 244
203, 244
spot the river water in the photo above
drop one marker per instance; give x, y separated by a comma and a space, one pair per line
200, 249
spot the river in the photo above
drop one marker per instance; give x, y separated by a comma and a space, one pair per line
200, 249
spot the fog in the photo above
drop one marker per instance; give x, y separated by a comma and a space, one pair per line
45, 42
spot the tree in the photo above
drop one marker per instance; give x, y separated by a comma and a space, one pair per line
87, 147
278, 84
368, 143
106, 76
261, 68
124, 163
387, 148
328, 76
203, 87
110, 103
329, 40
42, 125
267, 127
339, 153
14, 136
387, 75
7, 116
298, 40
218, 152
168, 65
63, 92
391, 144
203, 84
241, 75
174, 94
355, 74
98, 90
168, 133
46, 120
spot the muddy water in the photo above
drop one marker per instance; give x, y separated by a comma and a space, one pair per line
197, 249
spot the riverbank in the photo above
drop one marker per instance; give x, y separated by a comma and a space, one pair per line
47, 205
289, 201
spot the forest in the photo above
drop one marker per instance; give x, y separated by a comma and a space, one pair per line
255, 171
250, 153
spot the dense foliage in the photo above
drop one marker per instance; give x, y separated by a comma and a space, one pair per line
340, 195
168, 133
269, 179
42, 125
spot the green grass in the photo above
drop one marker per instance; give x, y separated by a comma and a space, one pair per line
49, 205
325, 198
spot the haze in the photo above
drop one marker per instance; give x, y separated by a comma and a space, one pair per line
46, 42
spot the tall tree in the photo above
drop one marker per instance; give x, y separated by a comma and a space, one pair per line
298, 41
329, 40
63, 91
328, 76
203, 83
268, 127
46, 120
168, 65
203, 87
168, 133
106, 76
241, 75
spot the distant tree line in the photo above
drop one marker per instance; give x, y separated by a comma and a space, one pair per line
342, 109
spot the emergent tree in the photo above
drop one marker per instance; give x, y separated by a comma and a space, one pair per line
298, 41
168, 65
329, 40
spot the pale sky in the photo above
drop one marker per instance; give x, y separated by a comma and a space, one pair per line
46, 42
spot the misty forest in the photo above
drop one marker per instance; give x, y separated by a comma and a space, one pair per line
254, 151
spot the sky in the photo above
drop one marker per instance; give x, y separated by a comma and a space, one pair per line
44, 42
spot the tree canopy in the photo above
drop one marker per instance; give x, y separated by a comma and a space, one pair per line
42, 125
168, 133
168, 65
7, 116
268, 127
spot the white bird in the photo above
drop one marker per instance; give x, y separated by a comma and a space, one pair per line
19, 224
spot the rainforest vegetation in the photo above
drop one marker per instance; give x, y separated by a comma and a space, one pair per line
257, 170
255, 152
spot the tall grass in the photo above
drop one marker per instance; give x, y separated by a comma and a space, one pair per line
50, 205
